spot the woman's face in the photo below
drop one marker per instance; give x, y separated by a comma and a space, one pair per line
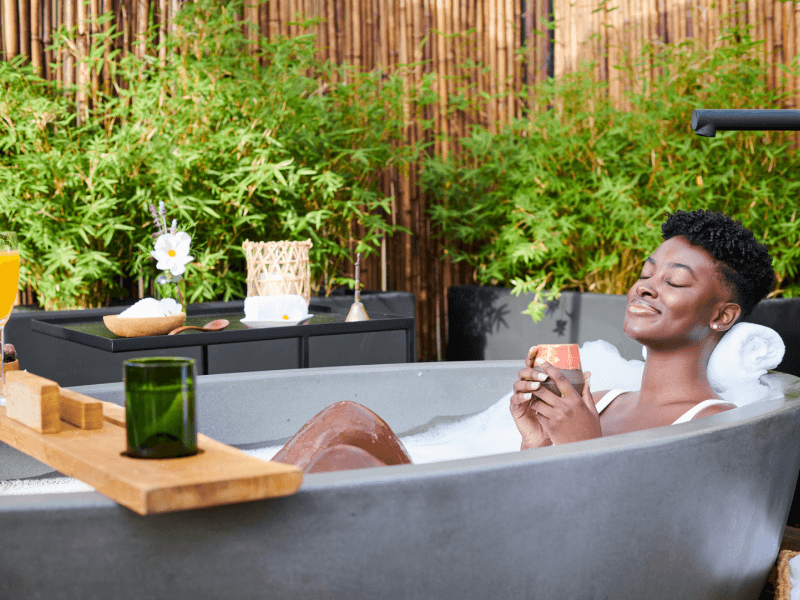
677, 297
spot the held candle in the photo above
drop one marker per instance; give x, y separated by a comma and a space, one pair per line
564, 357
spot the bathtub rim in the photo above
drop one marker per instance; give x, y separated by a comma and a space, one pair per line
655, 437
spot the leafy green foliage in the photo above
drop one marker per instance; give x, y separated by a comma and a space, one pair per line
240, 140
573, 197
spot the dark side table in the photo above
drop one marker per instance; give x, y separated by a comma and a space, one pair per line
80, 350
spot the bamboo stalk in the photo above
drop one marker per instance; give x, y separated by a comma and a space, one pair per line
24, 8
368, 41
530, 47
452, 21
573, 30
652, 35
287, 17
10, 33
355, 41
516, 58
614, 52
2, 30
634, 43
404, 214
559, 46
263, 27
770, 38
347, 40
392, 49
69, 60
142, 13
511, 46
797, 75
47, 24
440, 114
595, 45
788, 43
691, 29
82, 75
778, 43
724, 13
494, 74
37, 53
94, 29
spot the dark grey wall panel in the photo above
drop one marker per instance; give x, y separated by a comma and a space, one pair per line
487, 323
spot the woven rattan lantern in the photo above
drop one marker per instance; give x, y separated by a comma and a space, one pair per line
278, 268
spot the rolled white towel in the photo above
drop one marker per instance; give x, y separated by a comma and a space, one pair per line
743, 355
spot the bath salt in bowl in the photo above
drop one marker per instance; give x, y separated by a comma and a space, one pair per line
275, 311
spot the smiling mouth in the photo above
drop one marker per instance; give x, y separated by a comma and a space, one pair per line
640, 307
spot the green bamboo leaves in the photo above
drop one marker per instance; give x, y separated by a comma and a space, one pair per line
241, 141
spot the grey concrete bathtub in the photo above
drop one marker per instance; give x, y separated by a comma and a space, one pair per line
681, 512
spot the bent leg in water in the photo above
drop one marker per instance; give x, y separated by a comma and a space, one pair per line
343, 424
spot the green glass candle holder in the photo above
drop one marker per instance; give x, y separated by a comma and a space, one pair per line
159, 407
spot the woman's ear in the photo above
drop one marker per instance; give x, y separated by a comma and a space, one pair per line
726, 317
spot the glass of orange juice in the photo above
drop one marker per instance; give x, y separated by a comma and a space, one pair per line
9, 280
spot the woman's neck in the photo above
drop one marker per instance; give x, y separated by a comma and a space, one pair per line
676, 375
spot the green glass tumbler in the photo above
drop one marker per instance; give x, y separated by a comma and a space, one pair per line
159, 407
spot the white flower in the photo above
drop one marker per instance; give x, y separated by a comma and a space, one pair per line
169, 307
172, 252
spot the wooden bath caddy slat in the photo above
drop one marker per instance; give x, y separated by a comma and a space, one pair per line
219, 474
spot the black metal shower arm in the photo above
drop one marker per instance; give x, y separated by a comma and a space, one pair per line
707, 122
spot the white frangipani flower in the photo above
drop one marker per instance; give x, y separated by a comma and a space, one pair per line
172, 252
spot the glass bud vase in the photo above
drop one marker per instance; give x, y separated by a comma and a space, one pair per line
172, 286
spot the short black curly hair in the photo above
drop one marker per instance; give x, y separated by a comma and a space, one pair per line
743, 263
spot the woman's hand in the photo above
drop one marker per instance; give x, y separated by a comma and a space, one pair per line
525, 417
570, 417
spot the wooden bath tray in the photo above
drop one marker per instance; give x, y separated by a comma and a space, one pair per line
219, 474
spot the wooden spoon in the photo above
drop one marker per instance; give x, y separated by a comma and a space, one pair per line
217, 325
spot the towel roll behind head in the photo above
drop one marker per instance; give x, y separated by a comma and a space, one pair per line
745, 353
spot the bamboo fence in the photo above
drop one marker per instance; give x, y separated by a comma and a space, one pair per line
438, 37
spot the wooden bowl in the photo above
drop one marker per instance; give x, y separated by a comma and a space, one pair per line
11, 366
124, 327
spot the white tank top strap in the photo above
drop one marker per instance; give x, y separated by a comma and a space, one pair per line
690, 414
610, 396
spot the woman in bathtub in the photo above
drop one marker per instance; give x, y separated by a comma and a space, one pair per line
707, 274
